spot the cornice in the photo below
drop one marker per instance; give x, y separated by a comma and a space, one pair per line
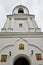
21, 34
21, 15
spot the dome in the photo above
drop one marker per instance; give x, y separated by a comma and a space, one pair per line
20, 9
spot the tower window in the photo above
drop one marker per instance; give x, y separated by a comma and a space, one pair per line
10, 18
30, 18
20, 10
20, 25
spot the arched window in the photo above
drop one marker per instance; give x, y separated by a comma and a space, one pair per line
20, 10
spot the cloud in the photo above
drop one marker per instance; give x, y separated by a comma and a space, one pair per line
2, 16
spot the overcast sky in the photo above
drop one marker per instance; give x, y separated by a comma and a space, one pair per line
35, 7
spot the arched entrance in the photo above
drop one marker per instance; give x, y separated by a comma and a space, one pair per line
21, 61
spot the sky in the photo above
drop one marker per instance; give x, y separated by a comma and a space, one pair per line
35, 7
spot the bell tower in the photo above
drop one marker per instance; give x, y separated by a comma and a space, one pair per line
20, 21
21, 40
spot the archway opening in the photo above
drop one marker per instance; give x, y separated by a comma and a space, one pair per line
20, 10
21, 61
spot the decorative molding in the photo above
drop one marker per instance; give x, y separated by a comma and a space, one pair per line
29, 44
21, 34
21, 15
6, 47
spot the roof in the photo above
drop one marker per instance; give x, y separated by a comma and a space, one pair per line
20, 6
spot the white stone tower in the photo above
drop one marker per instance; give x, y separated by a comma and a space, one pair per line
21, 40
21, 21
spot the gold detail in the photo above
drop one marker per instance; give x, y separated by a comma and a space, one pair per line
3, 58
21, 46
38, 56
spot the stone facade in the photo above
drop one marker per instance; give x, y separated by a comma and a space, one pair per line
21, 38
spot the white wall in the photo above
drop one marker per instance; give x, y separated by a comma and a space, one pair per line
4, 42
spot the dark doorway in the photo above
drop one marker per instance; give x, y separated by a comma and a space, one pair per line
21, 61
